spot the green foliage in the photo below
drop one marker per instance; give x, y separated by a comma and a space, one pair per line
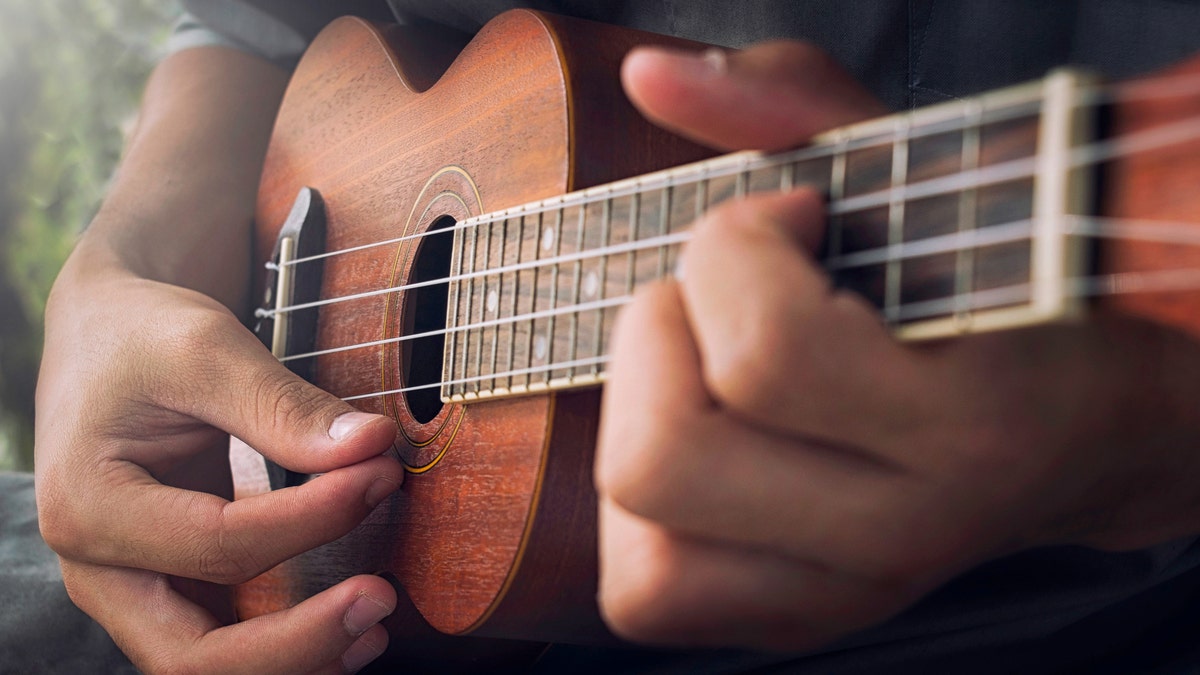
71, 72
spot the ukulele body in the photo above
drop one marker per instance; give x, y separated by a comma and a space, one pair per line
494, 531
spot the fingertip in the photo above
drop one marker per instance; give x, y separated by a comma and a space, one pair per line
381, 488
373, 600
360, 435
368, 608
798, 213
767, 97
347, 423
368, 647
357, 423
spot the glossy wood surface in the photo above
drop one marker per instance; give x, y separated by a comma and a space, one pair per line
1163, 186
494, 530
493, 534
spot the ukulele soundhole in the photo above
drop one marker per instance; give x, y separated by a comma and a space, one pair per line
425, 312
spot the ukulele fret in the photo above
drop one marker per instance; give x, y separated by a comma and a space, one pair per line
476, 383
837, 191
550, 344
494, 302
565, 349
468, 343
520, 330
454, 346
599, 292
895, 235
968, 215
927, 257
664, 227
635, 212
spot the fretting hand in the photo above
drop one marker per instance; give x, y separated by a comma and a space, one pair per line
777, 471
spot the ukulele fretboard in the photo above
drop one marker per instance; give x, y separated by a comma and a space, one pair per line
948, 219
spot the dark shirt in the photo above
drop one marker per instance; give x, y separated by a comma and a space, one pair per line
1050, 609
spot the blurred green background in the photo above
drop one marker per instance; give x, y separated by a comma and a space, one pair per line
71, 72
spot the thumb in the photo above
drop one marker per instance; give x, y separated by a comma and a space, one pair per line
790, 90
289, 420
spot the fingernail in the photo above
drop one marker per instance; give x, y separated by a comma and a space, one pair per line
379, 490
364, 613
362, 652
712, 62
345, 424
716, 60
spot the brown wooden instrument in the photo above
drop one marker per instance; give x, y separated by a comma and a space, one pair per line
968, 216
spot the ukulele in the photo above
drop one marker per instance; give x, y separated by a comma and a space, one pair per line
449, 244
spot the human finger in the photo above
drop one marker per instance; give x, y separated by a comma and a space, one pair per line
196, 535
209, 356
661, 587
335, 631
669, 453
774, 346
789, 91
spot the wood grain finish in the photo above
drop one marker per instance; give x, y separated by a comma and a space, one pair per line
1162, 186
493, 534
494, 531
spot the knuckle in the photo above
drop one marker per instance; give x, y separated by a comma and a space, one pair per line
223, 556
58, 522
76, 589
165, 662
215, 564
639, 601
750, 372
641, 471
290, 402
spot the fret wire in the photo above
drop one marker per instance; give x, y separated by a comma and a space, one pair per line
516, 295
739, 186
968, 211
895, 225
837, 192
576, 278
470, 301
605, 238
487, 250
664, 228
554, 272
450, 356
635, 207
499, 291
787, 177
701, 197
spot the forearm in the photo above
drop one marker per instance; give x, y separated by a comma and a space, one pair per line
182, 201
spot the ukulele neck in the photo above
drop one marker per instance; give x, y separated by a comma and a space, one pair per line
950, 219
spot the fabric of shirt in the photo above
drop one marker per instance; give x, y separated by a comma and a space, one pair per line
41, 631
1043, 610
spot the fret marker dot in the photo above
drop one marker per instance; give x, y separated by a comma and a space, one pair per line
547, 238
539, 347
493, 300
591, 284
